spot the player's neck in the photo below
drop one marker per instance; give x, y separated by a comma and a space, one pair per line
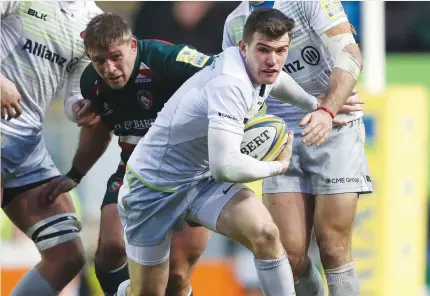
254, 83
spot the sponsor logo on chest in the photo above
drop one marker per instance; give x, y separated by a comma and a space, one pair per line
139, 124
144, 75
36, 14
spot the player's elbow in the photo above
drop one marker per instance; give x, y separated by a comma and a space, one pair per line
218, 172
345, 51
223, 173
355, 53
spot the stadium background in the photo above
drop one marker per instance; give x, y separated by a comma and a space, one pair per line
391, 233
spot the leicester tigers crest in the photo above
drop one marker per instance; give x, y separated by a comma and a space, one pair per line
145, 99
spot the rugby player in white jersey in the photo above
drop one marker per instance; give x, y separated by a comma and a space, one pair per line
41, 50
189, 164
321, 187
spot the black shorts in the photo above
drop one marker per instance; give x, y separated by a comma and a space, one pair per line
12, 192
112, 187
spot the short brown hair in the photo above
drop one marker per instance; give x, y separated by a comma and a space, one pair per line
105, 29
269, 22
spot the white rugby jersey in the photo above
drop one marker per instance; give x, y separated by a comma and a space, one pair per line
309, 61
174, 152
41, 49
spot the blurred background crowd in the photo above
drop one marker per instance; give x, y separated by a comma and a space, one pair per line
390, 232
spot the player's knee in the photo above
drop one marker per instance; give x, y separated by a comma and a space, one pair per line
334, 252
111, 251
179, 282
180, 272
73, 262
193, 256
298, 260
265, 239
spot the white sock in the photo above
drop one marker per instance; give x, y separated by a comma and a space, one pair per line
276, 277
33, 283
343, 280
311, 283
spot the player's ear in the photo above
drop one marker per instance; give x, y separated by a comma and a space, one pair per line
133, 44
242, 47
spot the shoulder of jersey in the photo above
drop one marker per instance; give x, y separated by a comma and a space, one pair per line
151, 51
155, 46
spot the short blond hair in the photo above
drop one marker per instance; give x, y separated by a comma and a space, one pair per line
104, 30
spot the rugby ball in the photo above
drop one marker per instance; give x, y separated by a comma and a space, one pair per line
264, 137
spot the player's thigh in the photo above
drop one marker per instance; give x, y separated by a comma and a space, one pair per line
334, 218
26, 209
340, 164
36, 220
232, 210
288, 199
293, 213
187, 247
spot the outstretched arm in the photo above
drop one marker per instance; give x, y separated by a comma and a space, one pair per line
92, 144
286, 89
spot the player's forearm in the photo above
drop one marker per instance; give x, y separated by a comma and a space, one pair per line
289, 91
93, 142
243, 169
228, 164
347, 66
340, 88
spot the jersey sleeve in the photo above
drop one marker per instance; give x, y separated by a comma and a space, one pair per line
179, 62
8, 8
324, 14
73, 91
228, 102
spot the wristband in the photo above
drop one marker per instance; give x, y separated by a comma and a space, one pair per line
75, 175
326, 110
